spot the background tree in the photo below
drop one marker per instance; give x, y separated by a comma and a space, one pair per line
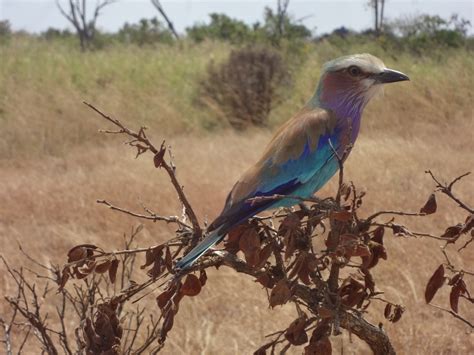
5, 30
145, 32
378, 6
282, 8
77, 14
221, 27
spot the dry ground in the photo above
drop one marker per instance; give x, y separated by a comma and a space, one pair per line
48, 205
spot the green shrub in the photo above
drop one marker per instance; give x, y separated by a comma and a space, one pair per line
145, 32
52, 34
276, 29
5, 31
221, 27
426, 32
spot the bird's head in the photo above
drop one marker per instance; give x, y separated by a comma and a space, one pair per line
348, 83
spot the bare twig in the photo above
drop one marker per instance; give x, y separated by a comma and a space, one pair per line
447, 189
454, 314
152, 217
397, 213
142, 143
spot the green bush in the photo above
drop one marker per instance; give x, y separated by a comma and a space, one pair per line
52, 34
272, 31
221, 27
426, 32
276, 29
145, 32
5, 31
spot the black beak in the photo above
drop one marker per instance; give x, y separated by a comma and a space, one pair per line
390, 76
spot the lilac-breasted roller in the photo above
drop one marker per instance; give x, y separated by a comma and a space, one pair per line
303, 154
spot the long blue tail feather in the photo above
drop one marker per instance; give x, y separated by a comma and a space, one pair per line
227, 220
213, 238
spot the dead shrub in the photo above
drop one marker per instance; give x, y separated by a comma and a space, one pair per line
245, 88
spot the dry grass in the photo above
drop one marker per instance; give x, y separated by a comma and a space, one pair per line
48, 200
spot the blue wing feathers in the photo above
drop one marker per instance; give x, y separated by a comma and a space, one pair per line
298, 176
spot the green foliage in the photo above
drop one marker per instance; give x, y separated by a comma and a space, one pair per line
5, 31
52, 34
273, 30
421, 36
145, 32
245, 88
277, 28
221, 27
425, 32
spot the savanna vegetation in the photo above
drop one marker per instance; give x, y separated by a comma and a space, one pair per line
55, 165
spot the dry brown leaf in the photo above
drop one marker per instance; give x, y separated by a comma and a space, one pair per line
167, 325
148, 258
397, 313
65, 274
325, 312
452, 233
202, 277
342, 216
378, 234
321, 347
168, 260
163, 298
266, 281
454, 280
264, 254
280, 294
430, 205
249, 243
77, 253
434, 283
191, 286
103, 267
231, 244
262, 349
295, 333
158, 158
319, 342
387, 311
457, 290
113, 270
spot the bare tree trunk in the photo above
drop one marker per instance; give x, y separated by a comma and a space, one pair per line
382, 5
161, 10
76, 14
376, 10
282, 7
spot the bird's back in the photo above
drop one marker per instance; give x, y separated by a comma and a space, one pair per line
298, 161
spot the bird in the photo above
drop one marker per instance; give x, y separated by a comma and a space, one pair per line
306, 151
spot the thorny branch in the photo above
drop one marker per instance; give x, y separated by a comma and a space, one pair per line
447, 189
151, 215
143, 144
454, 314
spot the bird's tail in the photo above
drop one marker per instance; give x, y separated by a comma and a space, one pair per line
207, 243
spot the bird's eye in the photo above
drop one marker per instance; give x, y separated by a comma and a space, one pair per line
354, 70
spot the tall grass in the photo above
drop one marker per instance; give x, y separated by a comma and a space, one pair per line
43, 84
